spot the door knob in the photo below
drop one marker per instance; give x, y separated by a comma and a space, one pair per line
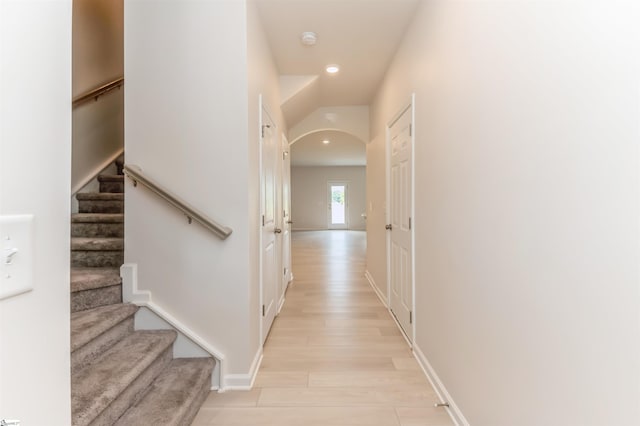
277, 230
388, 227
290, 222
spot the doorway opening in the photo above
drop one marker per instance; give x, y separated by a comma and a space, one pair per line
337, 202
328, 182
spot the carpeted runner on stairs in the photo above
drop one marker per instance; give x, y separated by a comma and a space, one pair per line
186, 379
97, 225
106, 388
95, 330
93, 287
111, 183
115, 370
100, 202
90, 278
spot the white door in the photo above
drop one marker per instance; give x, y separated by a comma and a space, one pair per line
269, 255
399, 227
286, 220
337, 201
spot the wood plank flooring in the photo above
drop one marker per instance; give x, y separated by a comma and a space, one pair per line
334, 356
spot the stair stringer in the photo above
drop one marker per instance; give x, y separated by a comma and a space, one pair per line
93, 174
188, 343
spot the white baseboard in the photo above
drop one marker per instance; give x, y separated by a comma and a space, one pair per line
130, 291
444, 396
183, 347
244, 381
131, 294
381, 296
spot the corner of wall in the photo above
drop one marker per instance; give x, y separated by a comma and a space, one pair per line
244, 381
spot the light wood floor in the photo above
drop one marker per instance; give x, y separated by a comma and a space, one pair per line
334, 356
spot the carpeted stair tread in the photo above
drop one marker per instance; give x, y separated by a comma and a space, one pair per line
96, 252
110, 178
99, 196
97, 258
89, 324
97, 218
175, 397
92, 278
97, 227
104, 390
113, 184
111, 201
89, 299
93, 331
96, 243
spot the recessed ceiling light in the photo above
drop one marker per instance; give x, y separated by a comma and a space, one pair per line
326, 141
333, 68
309, 38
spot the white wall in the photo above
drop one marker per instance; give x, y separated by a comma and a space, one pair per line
186, 125
35, 163
526, 205
98, 126
309, 194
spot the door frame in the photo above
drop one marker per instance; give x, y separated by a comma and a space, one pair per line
336, 182
285, 179
411, 104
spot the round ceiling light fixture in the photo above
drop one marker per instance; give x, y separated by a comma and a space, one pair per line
309, 38
333, 68
326, 141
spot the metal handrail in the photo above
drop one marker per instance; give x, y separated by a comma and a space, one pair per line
98, 91
135, 174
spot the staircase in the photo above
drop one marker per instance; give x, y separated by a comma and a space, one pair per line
120, 376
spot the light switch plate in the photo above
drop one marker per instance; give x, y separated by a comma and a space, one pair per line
16, 271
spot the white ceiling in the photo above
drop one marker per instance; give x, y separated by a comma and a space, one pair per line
344, 150
359, 35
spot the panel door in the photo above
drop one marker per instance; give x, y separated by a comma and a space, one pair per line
400, 247
269, 253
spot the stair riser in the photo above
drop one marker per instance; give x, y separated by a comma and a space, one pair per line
88, 299
97, 259
112, 187
86, 354
101, 206
102, 230
134, 392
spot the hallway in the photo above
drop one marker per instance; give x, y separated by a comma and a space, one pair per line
334, 356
